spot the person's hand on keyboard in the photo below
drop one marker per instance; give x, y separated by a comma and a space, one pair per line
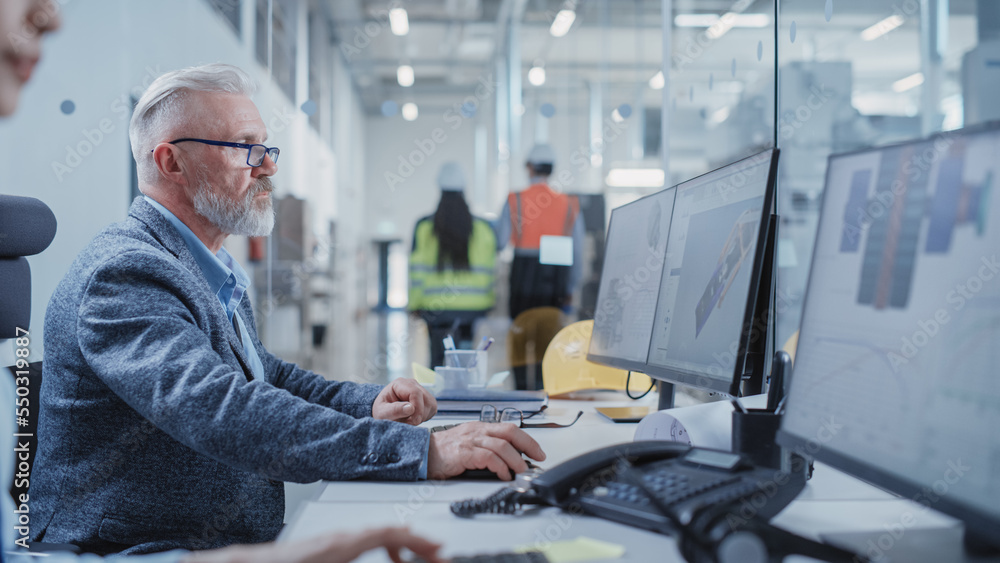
481, 445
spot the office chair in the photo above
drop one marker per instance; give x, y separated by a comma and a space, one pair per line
528, 338
27, 227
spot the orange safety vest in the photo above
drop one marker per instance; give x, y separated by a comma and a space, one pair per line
540, 210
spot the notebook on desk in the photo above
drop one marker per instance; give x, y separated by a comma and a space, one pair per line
472, 400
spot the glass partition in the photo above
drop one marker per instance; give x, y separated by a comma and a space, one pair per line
855, 74
720, 90
633, 95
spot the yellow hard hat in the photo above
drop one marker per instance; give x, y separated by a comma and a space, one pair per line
565, 367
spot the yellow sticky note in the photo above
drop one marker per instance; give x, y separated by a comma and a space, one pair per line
423, 375
579, 549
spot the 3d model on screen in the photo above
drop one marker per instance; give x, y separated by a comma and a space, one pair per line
741, 240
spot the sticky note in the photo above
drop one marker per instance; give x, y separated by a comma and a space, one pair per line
423, 374
557, 251
579, 549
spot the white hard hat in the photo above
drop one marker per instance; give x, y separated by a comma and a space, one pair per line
451, 178
542, 154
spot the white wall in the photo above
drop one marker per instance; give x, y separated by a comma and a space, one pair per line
350, 250
103, 54
402, 163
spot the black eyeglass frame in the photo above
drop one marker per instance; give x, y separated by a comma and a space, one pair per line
273, 152
497, 415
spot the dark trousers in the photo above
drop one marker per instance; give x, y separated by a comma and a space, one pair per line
533, 284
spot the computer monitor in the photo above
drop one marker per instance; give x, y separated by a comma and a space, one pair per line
710, 328
630, 280
895, 378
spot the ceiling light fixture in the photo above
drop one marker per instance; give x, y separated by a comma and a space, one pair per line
410, 111
908, 83
399, 21
562, 22
635, 178
719, 26
404, 75
720, 115
881, 28
657, 81
536, 76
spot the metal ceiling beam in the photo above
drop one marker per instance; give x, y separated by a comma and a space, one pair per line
393, 63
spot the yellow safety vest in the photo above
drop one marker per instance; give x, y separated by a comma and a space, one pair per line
452, 290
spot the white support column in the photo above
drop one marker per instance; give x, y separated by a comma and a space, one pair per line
666, 28
933, 43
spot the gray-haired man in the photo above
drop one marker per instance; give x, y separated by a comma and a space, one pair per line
164, 422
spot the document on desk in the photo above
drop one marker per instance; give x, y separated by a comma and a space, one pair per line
472, 400
708, 425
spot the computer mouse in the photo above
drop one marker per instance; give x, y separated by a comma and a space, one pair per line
486, 474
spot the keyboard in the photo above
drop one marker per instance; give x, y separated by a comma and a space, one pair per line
527, 557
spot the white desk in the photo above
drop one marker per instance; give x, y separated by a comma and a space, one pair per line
832, 503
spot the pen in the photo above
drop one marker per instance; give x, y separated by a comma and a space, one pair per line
781, 368
737, 405
485, 344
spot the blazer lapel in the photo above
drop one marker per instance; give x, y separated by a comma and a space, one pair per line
172, 241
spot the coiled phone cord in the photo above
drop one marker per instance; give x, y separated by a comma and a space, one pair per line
505, 501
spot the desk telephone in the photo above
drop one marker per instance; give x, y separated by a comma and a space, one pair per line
715, 502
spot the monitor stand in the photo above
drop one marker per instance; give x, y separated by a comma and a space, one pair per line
666, 400
980, 546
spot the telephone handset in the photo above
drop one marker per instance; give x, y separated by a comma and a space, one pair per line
671, 476
556, 486
715, 502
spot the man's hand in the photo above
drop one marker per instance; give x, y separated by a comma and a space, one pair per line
404, 400
481, 445
330, 548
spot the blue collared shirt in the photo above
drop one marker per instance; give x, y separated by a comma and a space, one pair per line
226, 278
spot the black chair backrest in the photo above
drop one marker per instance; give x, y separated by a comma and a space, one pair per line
27, 227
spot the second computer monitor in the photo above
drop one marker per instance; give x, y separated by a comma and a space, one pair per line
895, 378
711, 282
630, 280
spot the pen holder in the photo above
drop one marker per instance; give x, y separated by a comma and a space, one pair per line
463, 369
754, 435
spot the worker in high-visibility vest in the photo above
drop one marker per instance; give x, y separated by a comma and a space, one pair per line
452, 267
526, 217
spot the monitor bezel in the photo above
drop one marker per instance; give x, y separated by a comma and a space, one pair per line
611, 361
981, 524
701, 380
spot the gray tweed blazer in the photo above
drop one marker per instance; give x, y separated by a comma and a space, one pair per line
154, 435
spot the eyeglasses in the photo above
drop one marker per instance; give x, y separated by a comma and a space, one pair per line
255, 153
490, 413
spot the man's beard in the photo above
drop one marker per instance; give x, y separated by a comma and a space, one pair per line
245, 218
